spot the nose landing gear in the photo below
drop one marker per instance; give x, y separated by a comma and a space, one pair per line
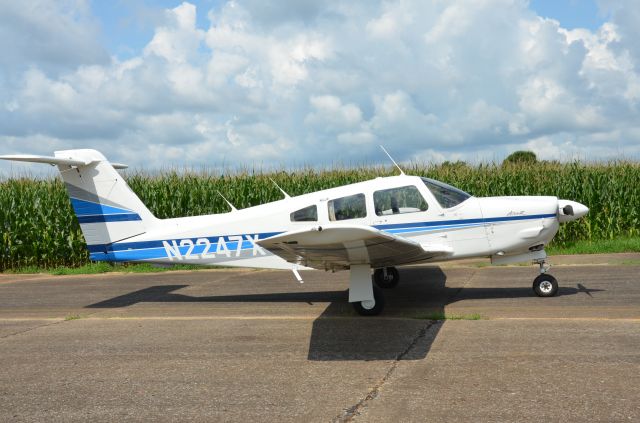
545, 285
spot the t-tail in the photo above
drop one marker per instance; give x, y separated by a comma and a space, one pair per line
107, 209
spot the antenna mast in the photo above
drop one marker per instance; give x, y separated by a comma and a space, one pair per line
233, 208
281, 190
393, 161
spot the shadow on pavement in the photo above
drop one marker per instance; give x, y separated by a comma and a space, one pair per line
339, 334
165, 294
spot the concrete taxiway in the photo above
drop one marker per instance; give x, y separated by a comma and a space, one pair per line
245, 345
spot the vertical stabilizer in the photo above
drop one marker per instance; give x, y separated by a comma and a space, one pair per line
107, 209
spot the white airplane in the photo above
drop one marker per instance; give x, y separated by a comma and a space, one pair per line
376, 224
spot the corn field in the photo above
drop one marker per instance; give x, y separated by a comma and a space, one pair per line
40, 229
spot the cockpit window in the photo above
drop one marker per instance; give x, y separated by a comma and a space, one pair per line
446, 195
308, 214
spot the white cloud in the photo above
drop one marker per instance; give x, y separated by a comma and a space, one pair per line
329, 110
180, 39
315, 82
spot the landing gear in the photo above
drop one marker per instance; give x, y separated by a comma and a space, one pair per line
387, 277
366, 298
371, 307
545, 285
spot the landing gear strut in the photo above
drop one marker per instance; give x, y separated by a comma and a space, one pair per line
387, 277
545, 285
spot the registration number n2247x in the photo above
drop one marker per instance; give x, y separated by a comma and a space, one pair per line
229, 246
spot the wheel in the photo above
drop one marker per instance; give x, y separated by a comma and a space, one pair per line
545, 286
371, 309
390, 280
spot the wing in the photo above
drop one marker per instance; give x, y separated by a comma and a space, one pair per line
338, 247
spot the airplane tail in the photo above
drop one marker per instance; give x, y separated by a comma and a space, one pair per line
107, 209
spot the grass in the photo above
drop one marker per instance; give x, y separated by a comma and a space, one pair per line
444, 316
607, 246
72, 317
630, 262
95, 268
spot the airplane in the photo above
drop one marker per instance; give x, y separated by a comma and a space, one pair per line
366, 227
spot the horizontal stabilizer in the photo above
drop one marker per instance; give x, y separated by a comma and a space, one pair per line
45, 159
65, 161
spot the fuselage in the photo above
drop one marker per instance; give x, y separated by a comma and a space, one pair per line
429, 213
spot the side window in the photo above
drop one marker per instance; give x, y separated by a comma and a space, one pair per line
308, 214
351, 207
399, 200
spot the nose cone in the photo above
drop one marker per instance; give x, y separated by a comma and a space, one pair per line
580, 210
571, 210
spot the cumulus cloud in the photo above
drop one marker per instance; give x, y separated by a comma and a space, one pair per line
317, 82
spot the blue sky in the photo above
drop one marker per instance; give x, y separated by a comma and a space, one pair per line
281, 83
571, 13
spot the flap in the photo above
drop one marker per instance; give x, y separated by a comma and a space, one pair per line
340, 246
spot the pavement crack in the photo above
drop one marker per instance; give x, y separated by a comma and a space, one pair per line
30, 329
457, 292
355, 410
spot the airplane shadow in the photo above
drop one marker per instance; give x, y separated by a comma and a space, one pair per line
339, 334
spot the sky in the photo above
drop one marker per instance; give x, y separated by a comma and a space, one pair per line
254, 84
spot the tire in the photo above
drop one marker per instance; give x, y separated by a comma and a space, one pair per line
378, 296
545, 286
391, 281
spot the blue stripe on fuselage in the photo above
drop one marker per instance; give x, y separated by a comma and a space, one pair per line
125, 246
462, 221
161, 252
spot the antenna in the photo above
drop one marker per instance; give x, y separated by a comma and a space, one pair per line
391, 158
281, 190
233, 208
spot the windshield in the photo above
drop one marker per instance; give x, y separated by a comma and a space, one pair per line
446, 195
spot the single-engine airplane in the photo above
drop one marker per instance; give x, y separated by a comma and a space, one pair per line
373, 225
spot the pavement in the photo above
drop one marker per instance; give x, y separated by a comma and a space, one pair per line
247, 345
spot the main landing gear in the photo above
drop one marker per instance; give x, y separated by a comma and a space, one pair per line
387, 277
367, 298
371, 308
545, 285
